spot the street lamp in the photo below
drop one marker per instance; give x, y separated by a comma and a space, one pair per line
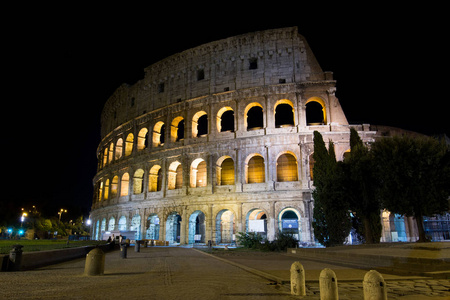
22, 218
61, 212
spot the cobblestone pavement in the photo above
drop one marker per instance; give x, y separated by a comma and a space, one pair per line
349, 279
405, 289
154, 273
177, 273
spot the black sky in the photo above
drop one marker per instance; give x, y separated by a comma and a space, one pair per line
63, 64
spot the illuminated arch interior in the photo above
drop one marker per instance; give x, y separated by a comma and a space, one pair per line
158, 134
287, 168
284, 113
315, 112
253, 116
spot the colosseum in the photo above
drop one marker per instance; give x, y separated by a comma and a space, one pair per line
217, 140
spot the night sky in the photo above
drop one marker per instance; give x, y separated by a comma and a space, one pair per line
63, 64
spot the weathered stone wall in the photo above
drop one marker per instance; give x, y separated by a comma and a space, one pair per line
267, 70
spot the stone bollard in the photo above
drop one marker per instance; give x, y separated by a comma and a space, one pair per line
298, 279
123, 251
374, 286
328, 285
15, 258
95, 262
137, 246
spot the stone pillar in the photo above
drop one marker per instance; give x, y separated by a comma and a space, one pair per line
271, 222
184, 239
328, 285
298, 279
374, 286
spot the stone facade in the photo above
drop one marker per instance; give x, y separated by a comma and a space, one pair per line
218, 140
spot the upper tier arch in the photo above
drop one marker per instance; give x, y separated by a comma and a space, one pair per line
270, 57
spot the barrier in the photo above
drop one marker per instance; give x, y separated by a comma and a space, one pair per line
32, 260
298, 279
95, 263
328, 285
374, 286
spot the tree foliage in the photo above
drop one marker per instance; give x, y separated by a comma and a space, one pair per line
332, 222
361, 187
414, 176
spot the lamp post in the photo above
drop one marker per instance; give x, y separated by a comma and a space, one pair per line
61, 212
22, 218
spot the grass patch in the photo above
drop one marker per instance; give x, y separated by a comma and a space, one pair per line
41, 245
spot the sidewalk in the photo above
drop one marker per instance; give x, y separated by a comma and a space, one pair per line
180, 273
276, 266
154, 273
423, 259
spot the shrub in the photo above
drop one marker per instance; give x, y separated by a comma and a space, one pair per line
249, 240
254, 240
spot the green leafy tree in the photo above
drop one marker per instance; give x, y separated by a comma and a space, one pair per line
332, 222
361, 188
414, 174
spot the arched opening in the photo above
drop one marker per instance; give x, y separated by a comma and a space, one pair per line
122, 223
100, 191
152, 227
142, 141
289, 222
284, 114
138, 181
254, 117
158, 134
177, 129
346, 154
175, 178
124, 184
287, 169
129, 144
200, 124
173, 228
225, 171
106, 194
256, 221
155, 179
103, 228
198, 176
225, 119
225, 227
256, 169
197, 228
179, 177
111, 224
111, 153
114, 186
97, 229
105, 157
315, 112
136, 226
119, 147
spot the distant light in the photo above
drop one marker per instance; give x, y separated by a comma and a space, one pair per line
88, 222
9, 230
20, 231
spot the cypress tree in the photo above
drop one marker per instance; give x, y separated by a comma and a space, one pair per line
332, 221
361, 188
